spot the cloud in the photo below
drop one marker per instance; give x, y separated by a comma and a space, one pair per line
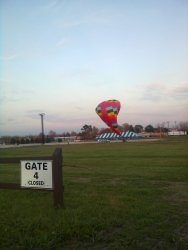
9, 57
6, 99
70, 24
7, 121
4, 81
61, 42
149, 114
153, 92
78, 108
99, 20
34, 113
50, 5
13, 95
11, 119
87, 20
156, 92
28, 92
180, 90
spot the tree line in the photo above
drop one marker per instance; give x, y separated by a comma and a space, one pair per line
89, 132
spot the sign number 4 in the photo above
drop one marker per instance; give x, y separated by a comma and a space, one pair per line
36, 176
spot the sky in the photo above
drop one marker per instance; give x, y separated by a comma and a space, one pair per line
64, 57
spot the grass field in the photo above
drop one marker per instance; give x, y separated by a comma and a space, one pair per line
117, 196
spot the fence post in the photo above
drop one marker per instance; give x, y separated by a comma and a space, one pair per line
57, 178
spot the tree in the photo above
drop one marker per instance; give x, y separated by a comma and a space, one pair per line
86, 128
183, 126
13, 140
138, 128
67, 134
86, 131
105, 130
94, 131
131, 128
49, 139
73, 133
149, 129
89, 132
126, 127
52, 133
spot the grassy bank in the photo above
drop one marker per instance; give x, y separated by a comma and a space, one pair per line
117, 196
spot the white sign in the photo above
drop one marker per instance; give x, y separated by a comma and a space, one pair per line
36, 174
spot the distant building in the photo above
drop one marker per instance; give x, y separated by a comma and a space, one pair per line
65, 138
175, 132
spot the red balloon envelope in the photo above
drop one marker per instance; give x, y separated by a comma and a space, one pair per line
108, 111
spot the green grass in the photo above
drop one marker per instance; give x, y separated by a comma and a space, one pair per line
117, 196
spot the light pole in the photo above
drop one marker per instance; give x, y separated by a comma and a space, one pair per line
42, 126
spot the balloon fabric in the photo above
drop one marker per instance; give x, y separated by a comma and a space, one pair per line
108, 111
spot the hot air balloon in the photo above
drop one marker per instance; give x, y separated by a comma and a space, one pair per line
108, 111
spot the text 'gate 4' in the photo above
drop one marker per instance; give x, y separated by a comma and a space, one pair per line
36, 174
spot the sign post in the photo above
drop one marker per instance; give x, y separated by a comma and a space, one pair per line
40, 173
57, 178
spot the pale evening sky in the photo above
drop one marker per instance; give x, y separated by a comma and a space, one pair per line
64, 57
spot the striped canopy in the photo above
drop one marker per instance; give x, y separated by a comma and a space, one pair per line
114, 136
